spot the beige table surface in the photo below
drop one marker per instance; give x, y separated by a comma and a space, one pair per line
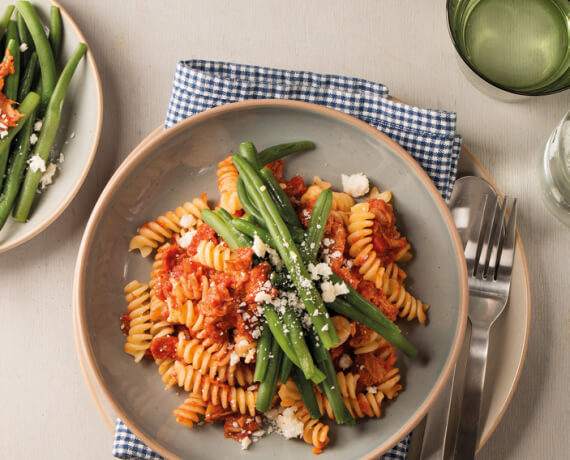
46, 411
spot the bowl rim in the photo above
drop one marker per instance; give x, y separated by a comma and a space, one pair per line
147, 145
10, 244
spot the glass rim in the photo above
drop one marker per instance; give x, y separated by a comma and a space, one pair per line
486, 79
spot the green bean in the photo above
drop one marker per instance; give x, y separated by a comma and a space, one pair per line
330, 386
4, 20
282, 150
224, 214
228, 234
296, 336
280, 198
246, 203
280, 281
262, 355
12, 80
55, 30
286, 366
395, 338
45, 54
16, 169
28, 76
48, 131
307, 393
277, 330
25, 36
25, 108
318, 222
249, 152
289, 252
252, 231
267, 388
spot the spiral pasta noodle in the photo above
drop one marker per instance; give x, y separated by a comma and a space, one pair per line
139, 336
212, 255
150, 234
341, 201
190, 411
212, 360
359, 239
315, 432
410, 307
227, 185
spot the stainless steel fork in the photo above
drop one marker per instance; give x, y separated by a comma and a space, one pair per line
489, 255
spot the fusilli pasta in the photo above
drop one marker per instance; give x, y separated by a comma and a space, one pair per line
227, 185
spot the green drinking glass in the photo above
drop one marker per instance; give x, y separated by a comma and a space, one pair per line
517, 47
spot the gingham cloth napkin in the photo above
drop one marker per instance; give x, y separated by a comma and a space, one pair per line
428, 135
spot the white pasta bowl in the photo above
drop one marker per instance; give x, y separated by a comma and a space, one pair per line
77, 137
179, 164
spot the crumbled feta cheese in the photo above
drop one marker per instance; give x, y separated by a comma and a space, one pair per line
33, 139
331, 291
263, 188
372, 390
37, 164
61, 158
72, 135
328, 241
187, 221
319, 270
259, 247
47, 176
275, 259
234, 358
289, 425
256, 334
345, 361
38, 125
263, 297
245, 443
325, 328
185, 240
23, 47
3, 133
355, 185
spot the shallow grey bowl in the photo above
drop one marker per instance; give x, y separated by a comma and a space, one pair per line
179, 164
77, 136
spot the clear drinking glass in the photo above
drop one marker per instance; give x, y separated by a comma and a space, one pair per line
513, 47
555, 171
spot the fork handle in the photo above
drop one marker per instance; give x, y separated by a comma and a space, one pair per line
466, 443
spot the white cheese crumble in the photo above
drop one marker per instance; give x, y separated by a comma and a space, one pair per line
61, 158
275, 259
318, 271
23, 47
47, 176
331, 291
3, 133
355, 185
185, 240
372, 390
187, 221
33, 139
345, 361
289, 425
245, 443
38, 125
234, 358
325, 328
263, 297
259, 247
37, 164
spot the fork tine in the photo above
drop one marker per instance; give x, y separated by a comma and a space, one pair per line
496, 239
484, 243
474, 235
507, 251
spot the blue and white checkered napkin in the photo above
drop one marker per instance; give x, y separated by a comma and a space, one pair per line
428, 135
